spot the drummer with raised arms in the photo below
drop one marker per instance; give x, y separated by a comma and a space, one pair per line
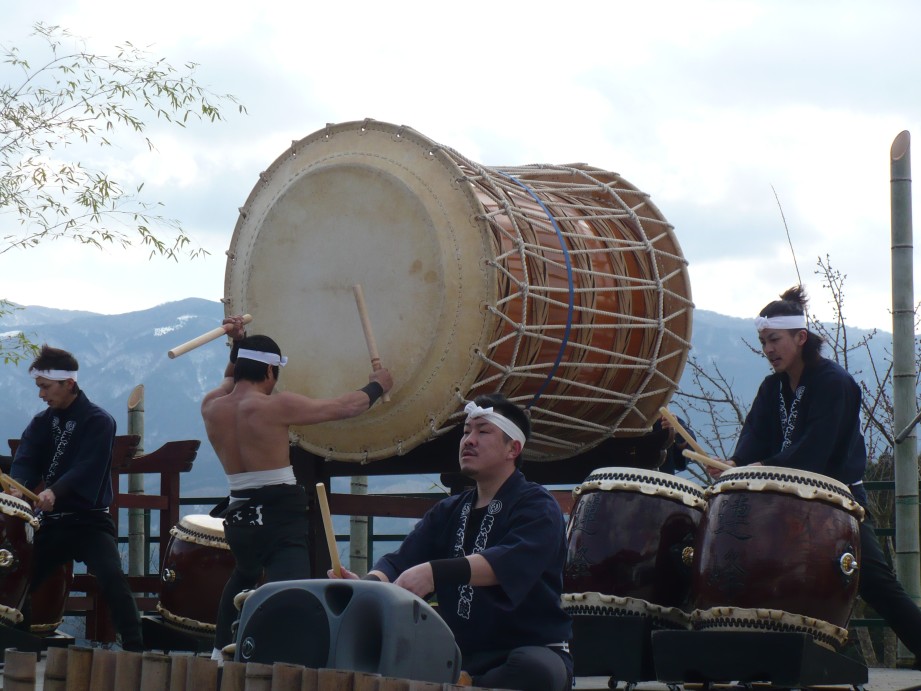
806, 415
265, 516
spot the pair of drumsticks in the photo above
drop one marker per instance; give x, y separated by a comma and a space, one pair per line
698, 454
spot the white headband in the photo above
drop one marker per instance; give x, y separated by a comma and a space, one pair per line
787, 321
475, 412
259, 356
54, 374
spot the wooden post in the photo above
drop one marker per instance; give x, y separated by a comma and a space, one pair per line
258, 677
79, 668
179, 671
285, 677
19, 670
310, 681
393, 684
155, 672
201, 674
137, 539
233, 676
102, 676
365, 681
128, 670
335, 679
55, 670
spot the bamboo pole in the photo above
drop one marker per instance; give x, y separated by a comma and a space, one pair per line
286, 677
155, 671
179, 671
233, 676
335, 679
904, 372
137, 557
309, 681
201, 674
366, 681
258, 677
358, 531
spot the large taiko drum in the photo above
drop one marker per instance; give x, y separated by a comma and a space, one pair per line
778, 550
196, 567
627, 534
563, 287
17, 534
49, 600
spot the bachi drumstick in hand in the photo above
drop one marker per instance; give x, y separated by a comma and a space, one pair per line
704, 459
204, 338
369, 335
328, 526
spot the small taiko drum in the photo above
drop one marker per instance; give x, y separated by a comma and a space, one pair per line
778, 550
627, 532
196, 567
49, 600
563, 287
17, 534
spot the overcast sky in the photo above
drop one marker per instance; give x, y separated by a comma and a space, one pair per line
703, 105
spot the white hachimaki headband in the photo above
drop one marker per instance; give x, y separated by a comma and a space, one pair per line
259, 356
786, 321
475, 412
54, 374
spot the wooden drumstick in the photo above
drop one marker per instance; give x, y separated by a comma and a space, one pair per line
204, 338
691, 441
369, 335
704, 459
8, 482
328, 525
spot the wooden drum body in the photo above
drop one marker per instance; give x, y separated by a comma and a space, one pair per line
626, 535
49, 600
779, 550
197, 565
17, 533
563, 287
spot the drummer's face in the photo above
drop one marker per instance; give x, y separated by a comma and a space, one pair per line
484, 448
57, 394
783, 347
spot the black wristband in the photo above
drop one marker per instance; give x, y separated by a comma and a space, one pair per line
371, 577
374, 391
454, 571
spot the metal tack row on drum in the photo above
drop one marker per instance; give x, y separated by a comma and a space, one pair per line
763, 549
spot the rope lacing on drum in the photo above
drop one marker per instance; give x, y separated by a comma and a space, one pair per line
758, 624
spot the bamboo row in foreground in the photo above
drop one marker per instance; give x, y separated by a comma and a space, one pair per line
79, 668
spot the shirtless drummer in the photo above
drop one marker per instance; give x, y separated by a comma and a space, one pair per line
265, 516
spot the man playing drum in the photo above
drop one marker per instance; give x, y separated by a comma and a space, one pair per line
265, 516
68, 448
807, 416
494, 557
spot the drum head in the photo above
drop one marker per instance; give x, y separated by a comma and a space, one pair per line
366, 207
202, 524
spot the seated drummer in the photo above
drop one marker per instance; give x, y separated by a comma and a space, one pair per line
494, 557
265, 516
807, 416
68, 449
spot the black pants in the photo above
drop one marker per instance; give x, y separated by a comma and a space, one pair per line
269, 536
528, 668
89, 537
880, 589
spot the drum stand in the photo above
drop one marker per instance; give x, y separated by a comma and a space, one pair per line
618, 647
786, 660
161, 635
26, 641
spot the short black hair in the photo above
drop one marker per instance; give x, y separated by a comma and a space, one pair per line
55, 358
253, 370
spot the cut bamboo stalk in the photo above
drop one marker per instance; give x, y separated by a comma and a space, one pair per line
19, 670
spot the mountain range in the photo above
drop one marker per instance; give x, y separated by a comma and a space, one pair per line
118, 352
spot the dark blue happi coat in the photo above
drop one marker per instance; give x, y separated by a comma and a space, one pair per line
815, 428
71, 451
522, 536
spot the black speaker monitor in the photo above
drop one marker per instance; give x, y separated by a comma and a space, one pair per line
363, 626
